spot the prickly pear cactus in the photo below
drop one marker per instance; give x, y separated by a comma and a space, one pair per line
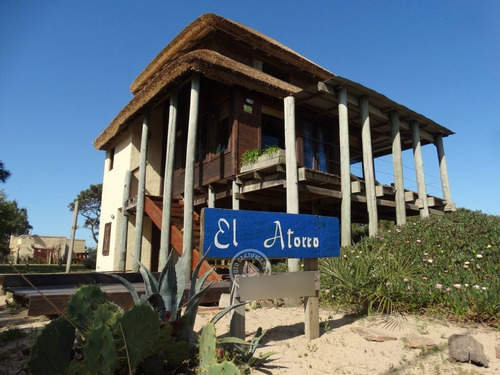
207, 346
225, 368
107, 313
51, 351
140, 325
78, 368
82, 305
99, 352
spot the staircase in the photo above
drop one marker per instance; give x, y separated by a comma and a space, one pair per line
153, 208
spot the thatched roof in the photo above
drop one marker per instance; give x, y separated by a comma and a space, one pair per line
205, 24
210, 64
173, 64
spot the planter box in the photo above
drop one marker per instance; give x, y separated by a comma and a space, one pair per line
265, 161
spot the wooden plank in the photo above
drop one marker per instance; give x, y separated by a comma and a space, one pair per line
116, 293
356, 187
55, 279
247, 188
410, 196
295, 284
320, 191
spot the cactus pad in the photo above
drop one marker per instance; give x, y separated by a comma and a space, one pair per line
140, 325
99, 353
107, 313
207, 346
224, 368
51, 352
83, 304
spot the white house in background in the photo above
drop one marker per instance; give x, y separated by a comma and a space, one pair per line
42, 249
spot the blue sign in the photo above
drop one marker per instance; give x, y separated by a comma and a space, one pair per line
277, 235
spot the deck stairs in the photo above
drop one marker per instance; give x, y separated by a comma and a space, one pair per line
153, 208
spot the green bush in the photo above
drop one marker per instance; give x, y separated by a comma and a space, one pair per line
447, 264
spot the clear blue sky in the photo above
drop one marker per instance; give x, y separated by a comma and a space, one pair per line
66, 67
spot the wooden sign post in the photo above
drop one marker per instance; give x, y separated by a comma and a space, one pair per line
254, 235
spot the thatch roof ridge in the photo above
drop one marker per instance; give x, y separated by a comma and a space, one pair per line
210, 64
210, 21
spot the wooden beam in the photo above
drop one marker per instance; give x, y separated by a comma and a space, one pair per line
345, 172
443, 169
292, 189
247, 188
187, 246
368, 169
397, 162
122, 255
168, 179
419, 169
139, 216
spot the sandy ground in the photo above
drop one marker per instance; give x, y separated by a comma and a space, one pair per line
341, 348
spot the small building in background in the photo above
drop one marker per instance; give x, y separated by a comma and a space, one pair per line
44, 249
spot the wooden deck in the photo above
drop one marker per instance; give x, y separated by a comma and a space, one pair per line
58, 288
267, 185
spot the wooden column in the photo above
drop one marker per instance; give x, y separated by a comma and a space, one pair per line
345, 169
139, 215
311, 306
69, 257
419, 169
397, 162
168, 180
368, 170
292, 187
211, 196
122, 257
187, 245
443, 169
237, 321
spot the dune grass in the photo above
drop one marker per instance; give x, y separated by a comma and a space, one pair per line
447, 264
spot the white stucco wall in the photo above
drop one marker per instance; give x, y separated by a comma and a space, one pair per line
112, 195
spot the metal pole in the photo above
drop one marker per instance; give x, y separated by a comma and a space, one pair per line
72, 238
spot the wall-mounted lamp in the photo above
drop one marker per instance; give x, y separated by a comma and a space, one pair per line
249, 101
112, 216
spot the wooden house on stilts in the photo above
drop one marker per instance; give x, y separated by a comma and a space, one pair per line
219, 89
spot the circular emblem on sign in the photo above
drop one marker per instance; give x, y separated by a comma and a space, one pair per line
249, 263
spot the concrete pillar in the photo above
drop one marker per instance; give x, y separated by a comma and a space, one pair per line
168, 180
141, 190
187, 245
368, 170
235, 201
443, 169
419, 169
397, 162
122, 257
345, 169
292, 187
211, 196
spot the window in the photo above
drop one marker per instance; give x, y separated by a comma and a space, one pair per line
107, 239
201, 150
273, 132
111, 157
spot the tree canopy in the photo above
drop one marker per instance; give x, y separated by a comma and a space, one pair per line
4, 173
13, 220
89, 206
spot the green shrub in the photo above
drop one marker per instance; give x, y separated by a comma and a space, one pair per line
447, 264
